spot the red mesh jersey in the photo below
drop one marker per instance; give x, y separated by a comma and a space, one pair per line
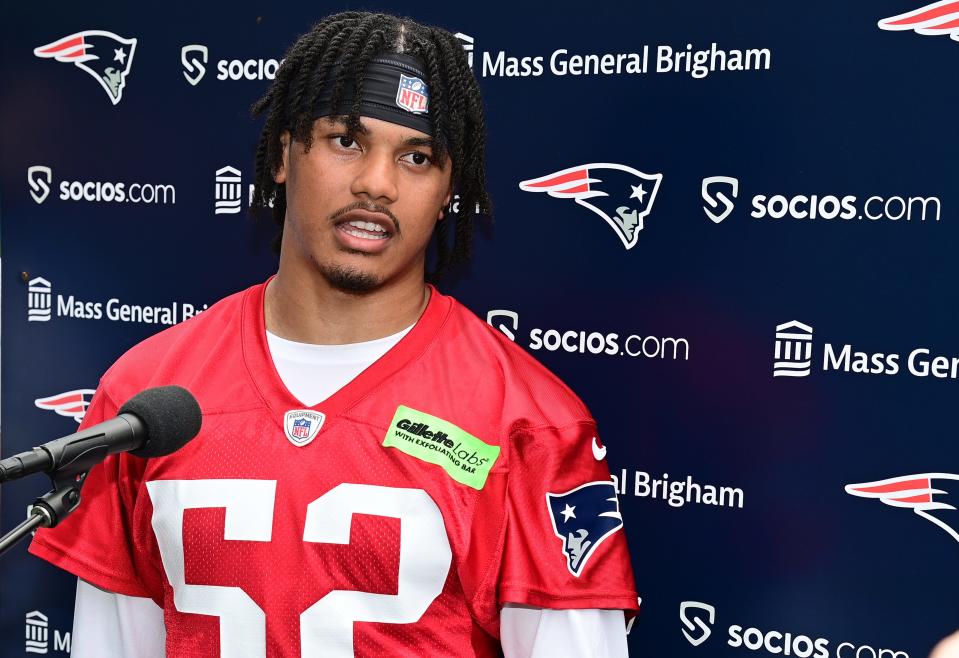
288, 534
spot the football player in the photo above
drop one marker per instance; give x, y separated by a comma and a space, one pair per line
379, 472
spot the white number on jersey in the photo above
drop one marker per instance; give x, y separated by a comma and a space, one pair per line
326, 627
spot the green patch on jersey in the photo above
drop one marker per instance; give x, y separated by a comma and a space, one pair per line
465, 458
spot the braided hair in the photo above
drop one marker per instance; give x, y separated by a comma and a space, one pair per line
339, 48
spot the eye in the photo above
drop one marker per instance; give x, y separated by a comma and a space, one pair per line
418, 158
345, 142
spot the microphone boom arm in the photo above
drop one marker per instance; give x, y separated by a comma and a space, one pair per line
54, 506
154, 423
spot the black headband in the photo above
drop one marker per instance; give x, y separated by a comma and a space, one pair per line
394, 90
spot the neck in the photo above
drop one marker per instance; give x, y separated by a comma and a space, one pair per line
303, 307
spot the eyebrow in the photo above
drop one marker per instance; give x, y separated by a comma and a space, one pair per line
362, 129
341, 121
419, 141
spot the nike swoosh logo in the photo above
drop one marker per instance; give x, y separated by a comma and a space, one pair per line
598, 453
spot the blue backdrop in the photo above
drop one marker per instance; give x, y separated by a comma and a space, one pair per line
761, 313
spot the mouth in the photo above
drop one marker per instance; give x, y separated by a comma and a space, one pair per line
363, 230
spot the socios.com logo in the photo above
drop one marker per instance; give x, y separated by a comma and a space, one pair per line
509, 327
583, 341
714, 195
39, 179
719, 193
194, 58
689, 615
773, 642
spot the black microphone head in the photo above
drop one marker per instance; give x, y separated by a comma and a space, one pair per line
171, 416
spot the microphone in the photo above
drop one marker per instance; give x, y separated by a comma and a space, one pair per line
153, 423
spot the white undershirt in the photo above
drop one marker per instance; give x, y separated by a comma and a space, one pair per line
110, 624
312, 373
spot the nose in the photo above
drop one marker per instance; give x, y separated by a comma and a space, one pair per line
376, 178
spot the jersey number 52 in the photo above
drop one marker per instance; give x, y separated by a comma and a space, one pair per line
326, 627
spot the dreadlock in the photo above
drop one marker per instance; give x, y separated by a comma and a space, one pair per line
338, 49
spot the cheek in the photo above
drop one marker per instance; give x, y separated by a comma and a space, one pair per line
433, 192
308, 186
427, 208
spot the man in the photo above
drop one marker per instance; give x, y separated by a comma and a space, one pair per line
379, 472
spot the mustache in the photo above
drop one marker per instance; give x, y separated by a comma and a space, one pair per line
368, 206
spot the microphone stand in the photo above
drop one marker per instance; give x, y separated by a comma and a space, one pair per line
35, 520
51, 508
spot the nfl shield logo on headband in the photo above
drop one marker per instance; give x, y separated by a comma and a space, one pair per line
412, 94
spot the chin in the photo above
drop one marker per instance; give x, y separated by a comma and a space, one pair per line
350, 279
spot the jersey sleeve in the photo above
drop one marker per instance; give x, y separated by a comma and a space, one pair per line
564, 544
110, 624
95, 542
527, 632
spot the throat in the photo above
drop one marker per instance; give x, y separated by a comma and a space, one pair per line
313, 310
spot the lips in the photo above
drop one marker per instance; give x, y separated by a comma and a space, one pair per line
368, 230
362, 230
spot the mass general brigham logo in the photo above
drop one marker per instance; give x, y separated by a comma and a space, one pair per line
793, 350
39, 300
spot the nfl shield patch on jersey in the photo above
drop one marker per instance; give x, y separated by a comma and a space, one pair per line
302, 425
583, 518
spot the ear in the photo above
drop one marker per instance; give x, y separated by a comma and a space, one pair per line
446, 203
280, 176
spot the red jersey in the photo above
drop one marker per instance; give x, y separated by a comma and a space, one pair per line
453, 475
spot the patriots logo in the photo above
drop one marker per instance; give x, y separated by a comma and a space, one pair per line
583, 518
936, 19
72, 404
621, 195
918, 493
104, 55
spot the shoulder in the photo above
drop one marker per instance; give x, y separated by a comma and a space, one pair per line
186, 354
501, 371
